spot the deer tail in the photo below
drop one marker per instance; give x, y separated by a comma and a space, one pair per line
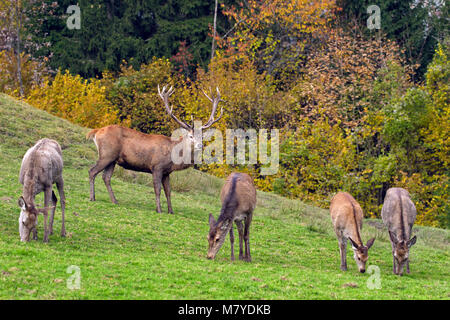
91, 134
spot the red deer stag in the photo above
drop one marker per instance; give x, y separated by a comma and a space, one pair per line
142, 152
347, 217
238, 198
398, 214
42, 166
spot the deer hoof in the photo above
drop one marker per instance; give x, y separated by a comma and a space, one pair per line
343, 268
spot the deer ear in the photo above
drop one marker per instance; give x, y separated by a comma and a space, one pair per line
354, 245
370, 243
21, 202
393, 237
212, 221
411, 242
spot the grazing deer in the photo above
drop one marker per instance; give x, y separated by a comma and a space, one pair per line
398, 214
42, 166
142, 152
238, 198
347, 217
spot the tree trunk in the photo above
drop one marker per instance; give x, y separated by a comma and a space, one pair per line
19, 62
213, 46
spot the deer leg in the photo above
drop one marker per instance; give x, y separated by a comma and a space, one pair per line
407, 267
343, 252
35, 236
240, 228
52, 216
394, 262
394, 267
47, 199
232, 242
99, 166
62, 199
248, 221
157, 177
107, 174
166, 185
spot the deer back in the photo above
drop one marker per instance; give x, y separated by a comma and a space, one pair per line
245, 192
398, 212
41, 165
347, 216
132, 149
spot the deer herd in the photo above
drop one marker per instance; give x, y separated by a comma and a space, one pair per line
42, 166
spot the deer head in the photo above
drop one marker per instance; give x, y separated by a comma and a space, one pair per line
401, 250
216, 235
28, 218
190, 136
361, 253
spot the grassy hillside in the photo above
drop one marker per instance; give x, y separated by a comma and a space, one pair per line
128, 251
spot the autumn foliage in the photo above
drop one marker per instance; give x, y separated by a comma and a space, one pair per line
78, 100
350, 116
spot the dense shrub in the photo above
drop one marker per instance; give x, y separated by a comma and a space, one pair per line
73, 98
134, 95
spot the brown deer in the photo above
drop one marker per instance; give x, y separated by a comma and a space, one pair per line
42, 166
150, 153
347, 217
238, 198
398, 214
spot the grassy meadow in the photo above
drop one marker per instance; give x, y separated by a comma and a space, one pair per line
128, 251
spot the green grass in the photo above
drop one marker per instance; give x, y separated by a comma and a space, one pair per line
128, 251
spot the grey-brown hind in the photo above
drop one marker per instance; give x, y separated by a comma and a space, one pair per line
238, 196
347, 217
42, 166
399, 214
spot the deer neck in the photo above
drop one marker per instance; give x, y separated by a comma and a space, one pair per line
227, 221
183, 144
29, 190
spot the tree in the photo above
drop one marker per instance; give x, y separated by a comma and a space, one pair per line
277, 34
416, 25
135, 31
11, 12
16, 42
338, 79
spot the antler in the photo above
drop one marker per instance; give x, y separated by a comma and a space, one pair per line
215, 102
165, 98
